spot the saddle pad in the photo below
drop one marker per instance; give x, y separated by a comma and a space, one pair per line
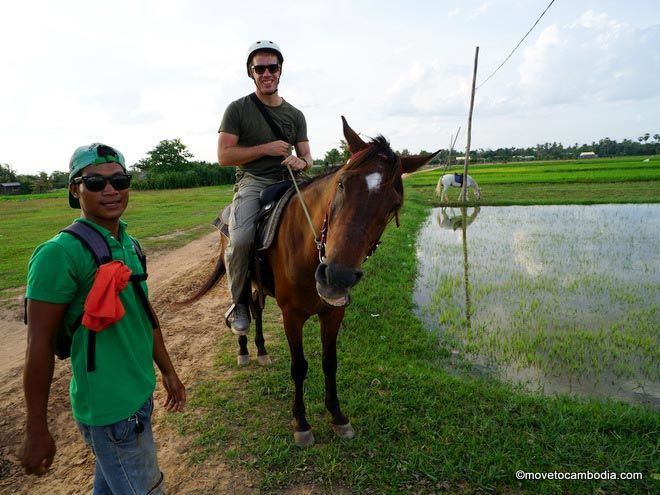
267, 226
267, 220
458, 178
221, 222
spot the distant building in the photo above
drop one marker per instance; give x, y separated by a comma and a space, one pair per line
10, 187
587, 154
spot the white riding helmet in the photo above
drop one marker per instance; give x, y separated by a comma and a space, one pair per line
264, 45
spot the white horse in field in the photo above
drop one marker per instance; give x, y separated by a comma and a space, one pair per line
449, 180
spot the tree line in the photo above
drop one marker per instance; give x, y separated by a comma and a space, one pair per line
170, 165
605, 148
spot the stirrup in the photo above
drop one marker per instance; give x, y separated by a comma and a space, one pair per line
228, 314
238, 329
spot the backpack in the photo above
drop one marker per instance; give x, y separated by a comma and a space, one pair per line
94, 241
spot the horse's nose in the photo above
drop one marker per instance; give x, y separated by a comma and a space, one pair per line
336, 276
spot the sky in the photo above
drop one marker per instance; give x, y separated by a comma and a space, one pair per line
132, 73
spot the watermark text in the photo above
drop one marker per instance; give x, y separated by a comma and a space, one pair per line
582, 475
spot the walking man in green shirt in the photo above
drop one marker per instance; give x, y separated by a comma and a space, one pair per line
112, 399
248, 142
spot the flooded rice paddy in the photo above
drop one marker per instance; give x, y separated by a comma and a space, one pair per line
557, 298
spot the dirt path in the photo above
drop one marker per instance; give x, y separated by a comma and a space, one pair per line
191, 339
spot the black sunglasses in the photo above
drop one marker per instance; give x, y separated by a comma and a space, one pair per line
272, 68
96, 183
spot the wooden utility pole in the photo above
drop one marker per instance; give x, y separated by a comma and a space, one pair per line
452, 143
463, 196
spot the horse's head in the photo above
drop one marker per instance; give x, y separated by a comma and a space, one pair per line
367, 194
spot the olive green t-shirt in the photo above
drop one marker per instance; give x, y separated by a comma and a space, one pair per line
61, 271
243, 119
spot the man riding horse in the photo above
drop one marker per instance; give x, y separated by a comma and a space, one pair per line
248, 142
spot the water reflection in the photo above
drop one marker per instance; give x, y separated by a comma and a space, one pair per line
450, 219
559, 298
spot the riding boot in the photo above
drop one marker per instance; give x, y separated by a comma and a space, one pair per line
238, 319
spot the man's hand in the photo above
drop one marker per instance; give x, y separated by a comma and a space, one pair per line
294, 162
277, 148
176, 392
37, 453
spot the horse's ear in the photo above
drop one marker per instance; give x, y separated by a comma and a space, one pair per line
413, 162
355, 142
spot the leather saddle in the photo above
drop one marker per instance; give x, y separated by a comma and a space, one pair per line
273, 199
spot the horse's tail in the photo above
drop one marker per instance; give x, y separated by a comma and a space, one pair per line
218, 271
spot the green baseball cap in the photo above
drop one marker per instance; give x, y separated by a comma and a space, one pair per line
93, 154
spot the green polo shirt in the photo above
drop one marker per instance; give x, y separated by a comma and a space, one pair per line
61, 271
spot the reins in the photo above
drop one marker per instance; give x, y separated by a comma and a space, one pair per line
320, 242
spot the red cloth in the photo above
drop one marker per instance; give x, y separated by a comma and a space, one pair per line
103, 306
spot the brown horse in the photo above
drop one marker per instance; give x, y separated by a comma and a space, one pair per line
309, 276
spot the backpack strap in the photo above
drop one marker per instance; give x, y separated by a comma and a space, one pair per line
92, 239
137, 287
98, 247
141, 256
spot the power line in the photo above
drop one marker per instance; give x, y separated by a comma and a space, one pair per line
519, 43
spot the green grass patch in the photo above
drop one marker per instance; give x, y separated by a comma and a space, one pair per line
610, 180
420, 429
159, 219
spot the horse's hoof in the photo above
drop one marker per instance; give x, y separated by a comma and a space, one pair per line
344, 431
304, 438
264, 360
243, 359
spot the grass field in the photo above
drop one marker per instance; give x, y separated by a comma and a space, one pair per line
159, 219
608, 180
420, 428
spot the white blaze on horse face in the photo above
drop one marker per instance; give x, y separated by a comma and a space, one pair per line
373, 181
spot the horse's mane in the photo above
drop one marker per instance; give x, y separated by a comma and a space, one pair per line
377, 146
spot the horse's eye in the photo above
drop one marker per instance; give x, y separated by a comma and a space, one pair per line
340, 186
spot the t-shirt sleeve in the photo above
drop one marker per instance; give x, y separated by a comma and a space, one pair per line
51, 275
231, 121
301, 136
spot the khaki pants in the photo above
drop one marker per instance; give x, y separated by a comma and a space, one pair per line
242, 226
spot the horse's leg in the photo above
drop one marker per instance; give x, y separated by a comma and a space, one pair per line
330, 323
257, 311
293, 325
243, 357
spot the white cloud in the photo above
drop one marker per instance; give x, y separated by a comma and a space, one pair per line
482, 9
595, 59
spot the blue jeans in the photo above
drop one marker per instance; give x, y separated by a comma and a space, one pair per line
125, 455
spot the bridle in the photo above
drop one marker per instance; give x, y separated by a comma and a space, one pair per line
320, 243
322, 240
